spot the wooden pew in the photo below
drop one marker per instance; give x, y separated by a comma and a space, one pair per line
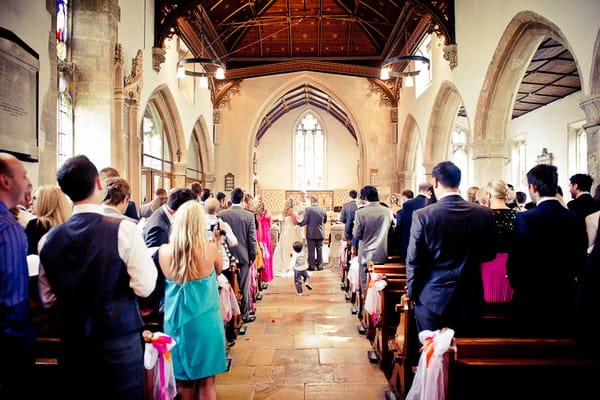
404, 345
500, 367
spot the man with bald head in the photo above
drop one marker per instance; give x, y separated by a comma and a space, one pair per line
16, 331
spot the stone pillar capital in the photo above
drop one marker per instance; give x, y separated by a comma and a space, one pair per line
591, 108
158, 58
491, 148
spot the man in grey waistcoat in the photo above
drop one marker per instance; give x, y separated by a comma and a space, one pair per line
314, 218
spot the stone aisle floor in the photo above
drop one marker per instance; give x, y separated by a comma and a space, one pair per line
302, 347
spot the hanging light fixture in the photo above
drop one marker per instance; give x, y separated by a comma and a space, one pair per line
408, 76
208, 67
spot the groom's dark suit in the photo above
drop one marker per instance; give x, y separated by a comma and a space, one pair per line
448, 241
314, 218
404, 221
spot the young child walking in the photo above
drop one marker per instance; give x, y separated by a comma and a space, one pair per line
299, 265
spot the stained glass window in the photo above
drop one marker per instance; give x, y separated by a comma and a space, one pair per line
581, 150
62, 23
459, 155
64, 106
309, 152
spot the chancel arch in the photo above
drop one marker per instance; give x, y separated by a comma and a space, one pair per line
163, 146
276, 129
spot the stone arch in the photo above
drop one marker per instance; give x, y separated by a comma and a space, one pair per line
517, 46
325, 87
441, 122
595, 73
163, 100
207, 158
406, 153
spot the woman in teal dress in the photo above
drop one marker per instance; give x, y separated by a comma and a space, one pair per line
191, 264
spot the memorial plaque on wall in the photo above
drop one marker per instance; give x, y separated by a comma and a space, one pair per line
19, 66
229, 182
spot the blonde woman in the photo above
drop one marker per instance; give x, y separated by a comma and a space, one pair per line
51, 207
495, 284
289, 234
191, 264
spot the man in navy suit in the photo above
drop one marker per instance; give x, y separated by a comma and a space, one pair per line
405, 214
314, 218
547, 259
583, 202
158, 227
448, 241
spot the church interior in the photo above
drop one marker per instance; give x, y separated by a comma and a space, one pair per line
277, 97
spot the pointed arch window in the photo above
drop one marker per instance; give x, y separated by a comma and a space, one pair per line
309, 153
193, 172
64, 106
157, 159
459, 154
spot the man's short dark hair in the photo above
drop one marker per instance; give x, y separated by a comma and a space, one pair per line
77, 178
448, 174
236, 196
107, 172
409, 194
583, 182
521, 197
205, 194
369, 193
545, 178
160, 192
115, 191
180, 196
221, 196
297, 246
196, 188
353, 194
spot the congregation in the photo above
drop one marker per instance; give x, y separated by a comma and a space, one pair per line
75, 265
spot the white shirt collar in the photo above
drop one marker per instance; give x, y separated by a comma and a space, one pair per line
448, 194
87, 208
542, 199
170, 217
236, 205
582, 193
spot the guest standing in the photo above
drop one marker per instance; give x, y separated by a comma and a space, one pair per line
448, 242
263, 236
16, 330
191, 264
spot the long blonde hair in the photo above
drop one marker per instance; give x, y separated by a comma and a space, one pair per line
52, 207
188, 235
289, 204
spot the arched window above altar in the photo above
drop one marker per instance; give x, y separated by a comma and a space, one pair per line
309, 153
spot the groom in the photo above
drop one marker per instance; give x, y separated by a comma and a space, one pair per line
314, 218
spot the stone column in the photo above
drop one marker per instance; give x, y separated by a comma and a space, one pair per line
117, 140
179, 174
406, 180
490, 157
134, 149
94, 35
591, 107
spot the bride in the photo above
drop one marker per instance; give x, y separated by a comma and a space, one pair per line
289, 234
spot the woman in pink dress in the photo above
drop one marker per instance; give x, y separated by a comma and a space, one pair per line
263, 237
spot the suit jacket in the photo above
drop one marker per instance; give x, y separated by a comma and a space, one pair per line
548, 254
146, 210
243, 225
583, 205
448, 241
404, 220
131, 210
346, 209
157, 229
371, 227
314, 218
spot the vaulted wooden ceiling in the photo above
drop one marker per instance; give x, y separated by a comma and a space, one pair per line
263, 37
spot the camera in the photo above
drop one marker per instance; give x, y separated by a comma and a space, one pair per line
221, 231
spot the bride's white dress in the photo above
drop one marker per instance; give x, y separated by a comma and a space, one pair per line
283, 251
